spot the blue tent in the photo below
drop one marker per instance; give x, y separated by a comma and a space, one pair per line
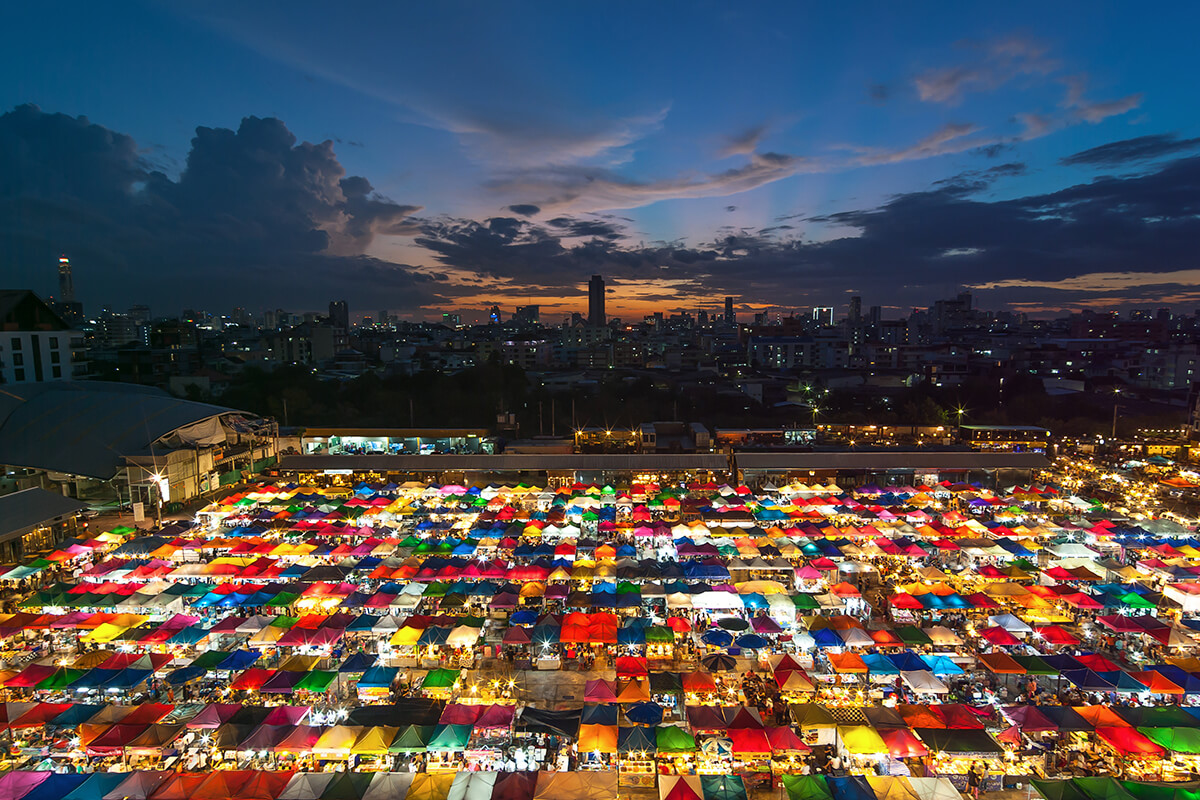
880, 664
56, 787
359, 662
644, 713
827, 637
752, 641
599, 714
850, 787
76, 715
96, 785
185, 674
717, 638
239, 660
378, 677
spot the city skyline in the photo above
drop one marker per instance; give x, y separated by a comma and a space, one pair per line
787, 160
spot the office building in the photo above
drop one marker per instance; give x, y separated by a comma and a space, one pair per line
596, 316
339, 314
730, 318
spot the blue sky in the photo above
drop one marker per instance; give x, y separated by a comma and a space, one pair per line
668, 127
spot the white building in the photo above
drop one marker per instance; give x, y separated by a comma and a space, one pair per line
36, 346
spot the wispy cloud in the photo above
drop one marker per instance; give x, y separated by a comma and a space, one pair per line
744, 143
991, 65
1128, 151
1095, 111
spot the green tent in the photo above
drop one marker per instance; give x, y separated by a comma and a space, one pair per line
210, 659
60, 679
316, 681
450, 737
805, 602
659, 633
1178, 740
1058, 790
1162, 791
284, 621
912, 635
441, 678
671, 739
1035, 666
1135, 600
1101, 789
807, 787
347, 786
723, 787
413, 739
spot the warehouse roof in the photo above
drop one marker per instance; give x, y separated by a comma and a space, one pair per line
86, 428
29, 508
933, 460
553, 462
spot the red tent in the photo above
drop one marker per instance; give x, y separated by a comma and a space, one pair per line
1129, 742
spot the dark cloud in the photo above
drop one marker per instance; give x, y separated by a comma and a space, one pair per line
1126, 151
524, 209
917, 245
993, 150
253, 213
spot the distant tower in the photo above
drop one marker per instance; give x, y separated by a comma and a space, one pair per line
339, 314
596, 316
66, 284
855, 309
730, 318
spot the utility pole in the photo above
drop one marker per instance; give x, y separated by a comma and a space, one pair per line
552, 433
541, 427
1116, 407
411, 415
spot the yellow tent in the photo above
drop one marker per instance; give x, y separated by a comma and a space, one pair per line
339, 739
105, 633
374, 741
861, 740
405, 637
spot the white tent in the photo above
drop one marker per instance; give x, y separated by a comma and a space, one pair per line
943, 636
306, 786
577, 786
472, 786
922, 680
1009, 623
933, 789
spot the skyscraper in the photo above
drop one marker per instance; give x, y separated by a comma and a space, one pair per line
730, 318
339, 314
596, 316
855, 309
66, 283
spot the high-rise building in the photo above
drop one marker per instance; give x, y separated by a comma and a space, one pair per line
451, 320
382, 319
529, 314
339, 314
730, 318
66, 282
876, 314
855, 309
596, 316
494, 315
823, 315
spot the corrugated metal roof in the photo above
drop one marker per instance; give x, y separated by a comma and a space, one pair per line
553, 462
85, 428
22, 510
867, 460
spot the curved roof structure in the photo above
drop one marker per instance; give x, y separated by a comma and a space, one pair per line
87, 428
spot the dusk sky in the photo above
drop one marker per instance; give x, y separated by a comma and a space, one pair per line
446, 155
